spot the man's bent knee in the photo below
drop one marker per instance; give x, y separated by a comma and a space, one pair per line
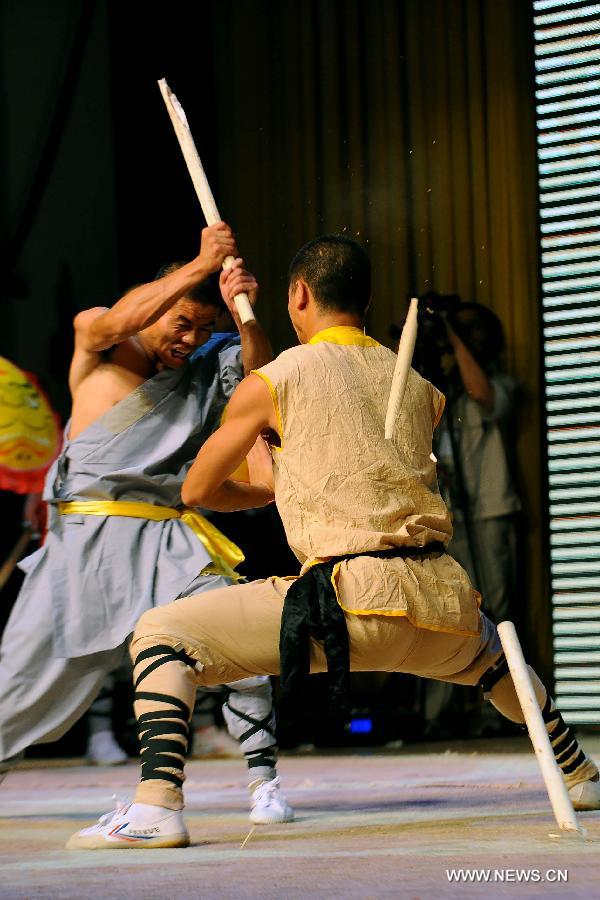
151, 624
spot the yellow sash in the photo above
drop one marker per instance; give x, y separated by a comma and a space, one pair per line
223, 552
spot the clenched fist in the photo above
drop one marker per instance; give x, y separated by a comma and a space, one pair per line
234, 281
217, 243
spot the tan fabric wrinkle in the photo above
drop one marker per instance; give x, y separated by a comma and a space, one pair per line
341, 490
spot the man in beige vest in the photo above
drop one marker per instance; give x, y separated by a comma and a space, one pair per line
377, 591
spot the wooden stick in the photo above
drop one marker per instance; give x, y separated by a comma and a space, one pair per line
248, 836
553, 778
406, 348
9, 564
200, 182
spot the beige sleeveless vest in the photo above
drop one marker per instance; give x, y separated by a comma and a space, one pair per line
341, 488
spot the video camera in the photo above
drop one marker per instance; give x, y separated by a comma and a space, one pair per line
432, 337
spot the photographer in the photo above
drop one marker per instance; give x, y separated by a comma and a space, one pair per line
462, 345
482, 401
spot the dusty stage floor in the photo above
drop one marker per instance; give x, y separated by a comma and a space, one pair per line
368, 825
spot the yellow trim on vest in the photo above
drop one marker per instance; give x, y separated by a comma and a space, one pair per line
223, 552
338, 334
273, 394
344, 334
394, 612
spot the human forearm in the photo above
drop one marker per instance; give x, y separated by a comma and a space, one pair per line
475, 381
209, 482
232, 496
144, 305
256, 347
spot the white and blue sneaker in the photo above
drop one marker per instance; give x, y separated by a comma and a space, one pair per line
268, 805
133, 826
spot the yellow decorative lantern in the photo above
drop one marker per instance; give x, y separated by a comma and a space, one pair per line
30, 432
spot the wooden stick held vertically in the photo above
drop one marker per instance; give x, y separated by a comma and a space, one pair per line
553, 779
200, 182
406, 348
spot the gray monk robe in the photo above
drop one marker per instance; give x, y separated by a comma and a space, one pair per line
96, 574
139, 451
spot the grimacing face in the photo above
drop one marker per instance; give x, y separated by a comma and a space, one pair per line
180, 331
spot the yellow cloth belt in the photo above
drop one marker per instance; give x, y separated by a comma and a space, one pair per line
223, 552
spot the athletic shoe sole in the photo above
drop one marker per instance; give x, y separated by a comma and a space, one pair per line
265, 819
98, 842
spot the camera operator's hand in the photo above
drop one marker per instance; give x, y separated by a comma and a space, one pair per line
475, 381
442, 315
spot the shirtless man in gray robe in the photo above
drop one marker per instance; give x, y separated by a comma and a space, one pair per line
117, 543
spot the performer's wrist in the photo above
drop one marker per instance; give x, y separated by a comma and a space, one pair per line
197, 269
249, 327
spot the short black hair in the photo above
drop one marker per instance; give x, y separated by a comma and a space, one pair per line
205, 292
338, 272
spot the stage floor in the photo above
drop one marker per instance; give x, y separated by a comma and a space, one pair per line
368, 825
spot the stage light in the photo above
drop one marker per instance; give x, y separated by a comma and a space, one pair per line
361, 726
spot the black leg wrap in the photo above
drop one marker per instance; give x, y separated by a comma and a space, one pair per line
158, 751
267, 724
567, 752
261, 757
256, 758
167, 654
493, 675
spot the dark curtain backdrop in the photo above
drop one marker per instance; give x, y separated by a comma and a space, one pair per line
409, 125
57, 177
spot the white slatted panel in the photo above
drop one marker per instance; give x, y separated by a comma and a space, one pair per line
567, 47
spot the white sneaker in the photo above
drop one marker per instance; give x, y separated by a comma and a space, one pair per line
585, 795
269, 805
214, 743
133, 826
103, 750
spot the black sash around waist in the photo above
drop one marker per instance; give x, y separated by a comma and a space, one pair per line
310, 611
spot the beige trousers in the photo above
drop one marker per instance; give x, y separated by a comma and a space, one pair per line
233, 633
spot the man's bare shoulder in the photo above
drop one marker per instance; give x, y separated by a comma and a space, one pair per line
85, 358
128, 355
100, 379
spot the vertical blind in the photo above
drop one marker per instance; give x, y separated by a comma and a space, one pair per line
567, 54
